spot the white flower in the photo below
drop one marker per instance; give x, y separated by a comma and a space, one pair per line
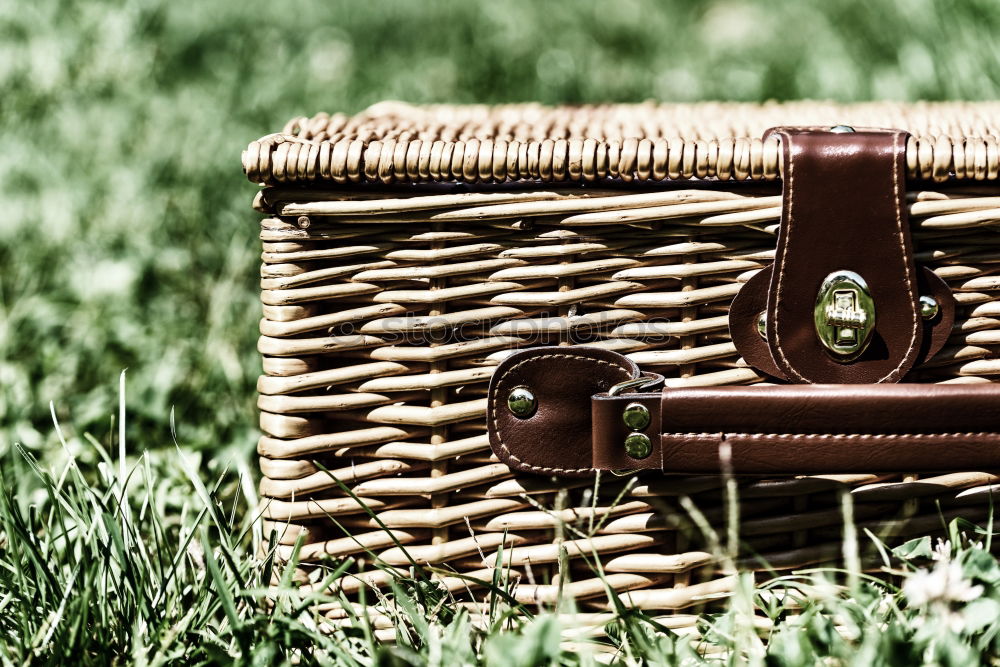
938, 589
944, 584
942, 550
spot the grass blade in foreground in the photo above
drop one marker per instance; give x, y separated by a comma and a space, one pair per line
152, 569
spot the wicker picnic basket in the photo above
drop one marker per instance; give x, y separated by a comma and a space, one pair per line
407, 251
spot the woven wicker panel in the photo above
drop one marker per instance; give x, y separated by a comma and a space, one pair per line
394, 142
386, 311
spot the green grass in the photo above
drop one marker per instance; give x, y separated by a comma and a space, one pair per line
127, 242
139, 560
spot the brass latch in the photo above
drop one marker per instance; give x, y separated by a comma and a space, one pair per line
844, 314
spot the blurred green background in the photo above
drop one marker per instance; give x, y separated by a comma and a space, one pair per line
126, 237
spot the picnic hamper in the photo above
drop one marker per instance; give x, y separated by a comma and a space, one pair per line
409, 252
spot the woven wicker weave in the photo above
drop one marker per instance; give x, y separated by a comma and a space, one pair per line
386, 308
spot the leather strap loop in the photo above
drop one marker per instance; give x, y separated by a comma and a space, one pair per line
556, 438
788, 429
843, 209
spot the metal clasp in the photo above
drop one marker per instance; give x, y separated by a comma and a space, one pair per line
638, 383
844, 315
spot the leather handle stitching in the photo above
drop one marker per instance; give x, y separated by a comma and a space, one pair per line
914, 329
787, 229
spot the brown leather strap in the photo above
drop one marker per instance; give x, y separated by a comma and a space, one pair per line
555, 439
766, 429
843, 208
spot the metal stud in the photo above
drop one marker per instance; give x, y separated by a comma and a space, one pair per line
521, 402
928, 307
762, 324
841, 129
638, 445
636, 416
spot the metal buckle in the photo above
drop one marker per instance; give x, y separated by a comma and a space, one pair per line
844, 315
637, 383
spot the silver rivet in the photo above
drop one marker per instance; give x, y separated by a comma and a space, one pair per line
928, 307
841, 129
636, 416
638, 446
762, 324
521, 402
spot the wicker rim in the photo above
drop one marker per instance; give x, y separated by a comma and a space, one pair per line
395, 142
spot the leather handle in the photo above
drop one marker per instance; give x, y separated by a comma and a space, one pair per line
577, 427
808, 428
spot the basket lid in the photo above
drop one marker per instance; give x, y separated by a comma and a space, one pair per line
397, 142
